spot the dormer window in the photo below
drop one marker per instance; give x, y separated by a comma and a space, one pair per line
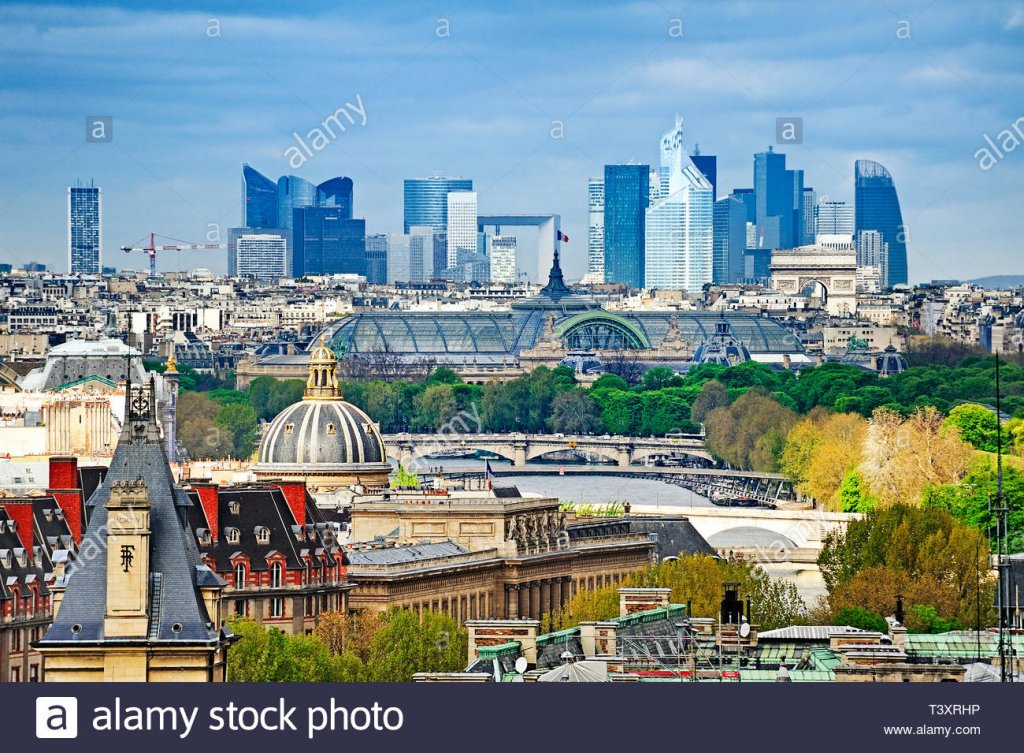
48, 513
21, 556
204, 536
289, 429
6, 557
232, 535
276, 573
262, 535
233, 506
240, 575
331, 430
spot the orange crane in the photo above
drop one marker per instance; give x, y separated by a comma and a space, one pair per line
181, 245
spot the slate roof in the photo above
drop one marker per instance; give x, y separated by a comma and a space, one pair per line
174, 558
261, 507
674, 536
410, 553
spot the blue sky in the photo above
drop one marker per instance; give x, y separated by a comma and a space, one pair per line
195, 91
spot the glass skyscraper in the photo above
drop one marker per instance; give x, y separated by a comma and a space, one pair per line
730, 238
326, 242
877, 207
85, 229
626, 197
426, 200
259, 199
679, 225
595, 227
266, 204
377, 259
779, 201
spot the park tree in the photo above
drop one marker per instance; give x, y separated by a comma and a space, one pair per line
238, 423
434, 407
574, 412
977, 425
407, 643
713, 394
750, 434
196, 428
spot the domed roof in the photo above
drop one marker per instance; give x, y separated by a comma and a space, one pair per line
321, 432
722, 347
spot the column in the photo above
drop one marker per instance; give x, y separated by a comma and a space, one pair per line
511, 601
524, 600
534, 600
545, 598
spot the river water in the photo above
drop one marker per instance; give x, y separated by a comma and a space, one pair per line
582, 489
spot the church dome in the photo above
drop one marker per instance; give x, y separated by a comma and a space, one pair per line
322, 438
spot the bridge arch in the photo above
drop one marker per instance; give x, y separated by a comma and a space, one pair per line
744, 536
609, 453
641, 454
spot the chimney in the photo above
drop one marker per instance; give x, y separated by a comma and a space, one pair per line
20, 511
598, 638
295, 495
63, 472
632, 600
65, 490
209, 498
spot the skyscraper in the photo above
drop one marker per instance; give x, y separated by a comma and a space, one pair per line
426, 200
730, 238
708, 165
259, 199
85, 229
502, 254
877, 207
810, 199
779, 200
266, 204
377, 259
833, 218
461, 225
326, 241
595, 227
679, 225
262, 256
873, 254
626, 196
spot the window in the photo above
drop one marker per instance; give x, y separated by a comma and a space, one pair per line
277, 607
16, 640
33, 673
15, 674
240, 575
262, 534
232, 535
275, 575
240, 608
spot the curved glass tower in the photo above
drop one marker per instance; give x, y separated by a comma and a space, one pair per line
259, 199
877, 207
336, 192
293, 193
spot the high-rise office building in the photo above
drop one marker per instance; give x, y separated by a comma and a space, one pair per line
873, 252
426, 200
595, 227
810, 200
259, 255
461, 225
877, 207
626, 198
85, 229
410, 256
266, 204
708, 165
833, 218
678, 233
377, 259
440, 256
502, 254
730, 238
259, 199
779, 199
325, 241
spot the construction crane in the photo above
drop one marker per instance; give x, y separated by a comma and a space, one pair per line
181, 245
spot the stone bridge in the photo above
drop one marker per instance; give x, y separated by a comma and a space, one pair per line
521, 448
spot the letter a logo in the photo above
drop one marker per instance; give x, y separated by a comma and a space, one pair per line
56, 717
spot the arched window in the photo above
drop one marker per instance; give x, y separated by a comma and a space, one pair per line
275, 575
240, 575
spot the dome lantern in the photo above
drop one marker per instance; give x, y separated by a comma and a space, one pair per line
322, 381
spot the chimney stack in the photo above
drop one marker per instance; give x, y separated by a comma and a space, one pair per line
632, 600
295, 494
209, 498
65, 489
20, 511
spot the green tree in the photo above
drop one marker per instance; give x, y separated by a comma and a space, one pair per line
660, 377
853, 497
240, 425
977, 425
713, 394
860, 618
435, 407
574, 413
408, 643
196, 430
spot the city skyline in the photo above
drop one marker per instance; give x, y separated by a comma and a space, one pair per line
529, 128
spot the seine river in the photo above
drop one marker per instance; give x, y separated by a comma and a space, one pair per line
581, 488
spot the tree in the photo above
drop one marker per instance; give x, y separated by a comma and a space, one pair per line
860, 618
238, 422
927, 351
444, 375
625, 364
713, 394
750, 434
269, 396
659, 377
407, 643
609, 381
434, 407
263, 655
196, 431
574, 413
976, 425
821, 452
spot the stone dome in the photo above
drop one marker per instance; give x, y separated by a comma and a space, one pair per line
323, 439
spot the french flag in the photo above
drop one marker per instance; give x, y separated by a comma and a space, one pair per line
489, 474
563, 237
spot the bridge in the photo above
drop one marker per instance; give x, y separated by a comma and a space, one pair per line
520, 448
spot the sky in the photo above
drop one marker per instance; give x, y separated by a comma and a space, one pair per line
528, 99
